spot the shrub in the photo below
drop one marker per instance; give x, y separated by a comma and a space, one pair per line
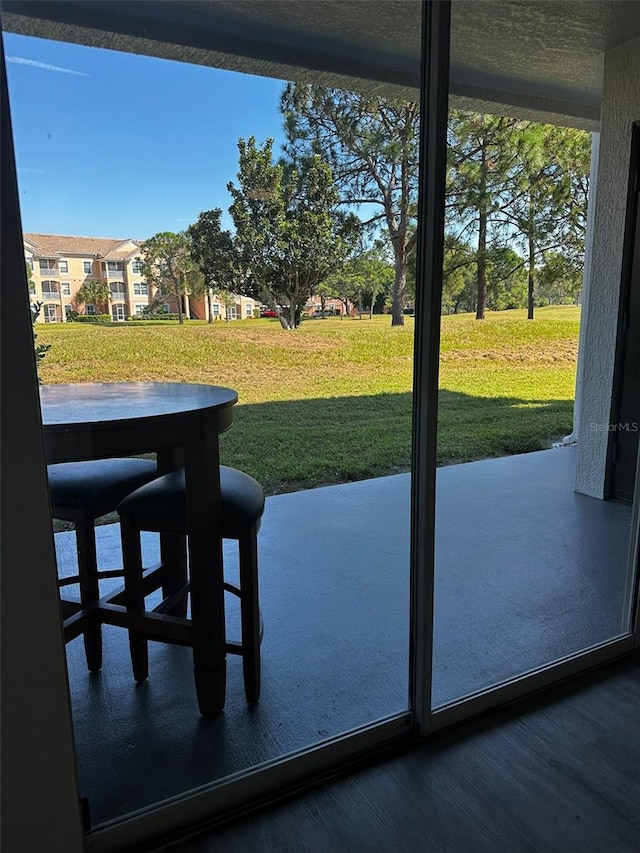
92, 318
152, 318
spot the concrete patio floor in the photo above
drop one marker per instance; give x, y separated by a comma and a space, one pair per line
526, 572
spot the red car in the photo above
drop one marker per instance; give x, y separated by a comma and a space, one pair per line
267, 312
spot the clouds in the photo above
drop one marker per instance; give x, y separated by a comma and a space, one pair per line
33, 63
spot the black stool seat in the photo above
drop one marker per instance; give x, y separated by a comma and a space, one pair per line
98, 483
164, 500
81, 492
161, 506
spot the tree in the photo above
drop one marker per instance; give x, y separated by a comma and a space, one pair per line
30, 282
480, 160
40, 349
371, 145
289, 234
94, 292
228, 301
543, 207
560, 279
213, 250
459, 282
506, 279
325, 291
168, 266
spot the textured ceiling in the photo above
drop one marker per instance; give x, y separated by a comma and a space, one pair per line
533, 58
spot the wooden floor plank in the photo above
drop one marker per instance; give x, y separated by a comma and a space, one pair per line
559, 773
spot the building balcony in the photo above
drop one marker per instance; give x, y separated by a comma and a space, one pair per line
115, 274
48, 272
117, 291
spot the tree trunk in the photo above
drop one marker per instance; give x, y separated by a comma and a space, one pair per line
400, 280
323, 300
209, 306
180, 314
292, 314
482, 238
532, 265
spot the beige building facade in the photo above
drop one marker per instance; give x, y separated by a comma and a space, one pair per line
60, 264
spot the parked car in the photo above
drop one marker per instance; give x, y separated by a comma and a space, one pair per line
267, 312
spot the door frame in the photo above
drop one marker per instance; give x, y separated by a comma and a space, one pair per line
631, 224
40, 790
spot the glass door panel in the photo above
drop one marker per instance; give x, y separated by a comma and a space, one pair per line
531, 561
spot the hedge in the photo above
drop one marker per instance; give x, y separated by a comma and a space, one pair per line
92, 318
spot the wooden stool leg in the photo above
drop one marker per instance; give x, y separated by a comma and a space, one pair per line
173, 553
134, 595
250, 615
89, 587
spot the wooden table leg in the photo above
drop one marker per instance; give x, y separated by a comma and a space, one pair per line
202, 470
173, 549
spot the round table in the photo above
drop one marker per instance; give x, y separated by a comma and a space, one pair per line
181, 423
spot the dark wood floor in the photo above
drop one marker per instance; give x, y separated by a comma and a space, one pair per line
559, 773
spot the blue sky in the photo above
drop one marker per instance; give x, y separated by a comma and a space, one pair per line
116, 145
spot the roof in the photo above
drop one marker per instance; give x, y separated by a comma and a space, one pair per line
533, 59
60, 245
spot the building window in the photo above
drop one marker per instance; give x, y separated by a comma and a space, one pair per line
65, 288
87, 267
91, 309
50, 288
231, 313
135, 267
140, 288
216, 309
29, 262
249, 310
117, 312
63, 266
48, 267
140, 310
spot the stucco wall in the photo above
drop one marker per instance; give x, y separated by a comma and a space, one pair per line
620, 108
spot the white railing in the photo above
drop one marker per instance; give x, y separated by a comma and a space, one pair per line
115, 274
117, 291
48, 271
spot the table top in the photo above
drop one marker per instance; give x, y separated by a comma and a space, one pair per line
96, 403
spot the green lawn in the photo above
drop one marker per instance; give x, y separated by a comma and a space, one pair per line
331, 402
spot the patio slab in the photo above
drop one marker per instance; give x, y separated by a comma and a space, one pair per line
526, 572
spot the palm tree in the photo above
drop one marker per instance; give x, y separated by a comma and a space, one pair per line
95, 293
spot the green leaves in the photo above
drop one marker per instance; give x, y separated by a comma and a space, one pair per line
371, 145
289, 235
168, 266
94, 292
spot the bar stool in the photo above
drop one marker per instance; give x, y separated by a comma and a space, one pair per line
81, 492
161, 506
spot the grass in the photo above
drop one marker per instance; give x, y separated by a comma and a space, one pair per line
331, 402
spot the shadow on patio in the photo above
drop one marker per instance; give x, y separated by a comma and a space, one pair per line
527, 571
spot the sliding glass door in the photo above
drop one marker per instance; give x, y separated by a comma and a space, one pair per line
535, 567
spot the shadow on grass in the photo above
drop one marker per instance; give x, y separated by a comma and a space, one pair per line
301, 444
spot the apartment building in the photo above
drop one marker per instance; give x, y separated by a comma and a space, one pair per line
60, 264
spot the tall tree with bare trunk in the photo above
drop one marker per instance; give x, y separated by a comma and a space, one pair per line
371, 145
